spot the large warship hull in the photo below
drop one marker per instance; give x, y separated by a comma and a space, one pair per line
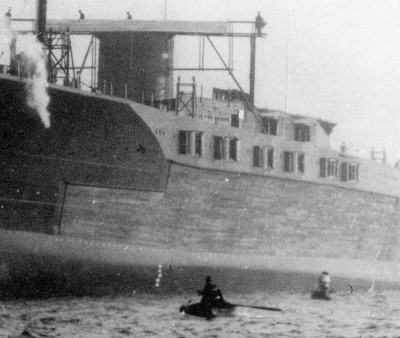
95, 204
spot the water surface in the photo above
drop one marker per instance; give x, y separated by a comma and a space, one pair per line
357, 314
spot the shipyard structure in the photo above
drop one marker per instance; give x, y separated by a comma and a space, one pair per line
144, 183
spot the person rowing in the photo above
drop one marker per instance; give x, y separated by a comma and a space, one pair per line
213, 304
324, 288
211, 295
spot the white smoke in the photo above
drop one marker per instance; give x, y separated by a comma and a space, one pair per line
38, 97
5, 41
32, 63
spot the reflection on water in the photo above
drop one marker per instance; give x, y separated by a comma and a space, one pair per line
363, 314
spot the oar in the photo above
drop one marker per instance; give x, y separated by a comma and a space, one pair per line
259, 307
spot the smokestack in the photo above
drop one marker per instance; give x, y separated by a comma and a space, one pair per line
41, 11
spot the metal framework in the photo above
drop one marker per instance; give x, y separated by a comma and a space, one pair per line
61, 63
59, 56
61, 60
252, 33
231, 33
186, 100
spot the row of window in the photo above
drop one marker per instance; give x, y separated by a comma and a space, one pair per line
263, 157
294, 162
227, 148
190, 142
329, 167
302, 132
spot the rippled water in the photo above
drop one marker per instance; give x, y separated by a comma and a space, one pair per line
364, 314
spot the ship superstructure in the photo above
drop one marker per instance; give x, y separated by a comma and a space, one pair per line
142, 171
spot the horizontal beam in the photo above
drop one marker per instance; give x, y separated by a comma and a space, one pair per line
201, 69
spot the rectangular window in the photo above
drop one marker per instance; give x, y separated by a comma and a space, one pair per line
233, 149
353, 172
257, 157
190, 143
332, 168
263, 157
294, 162
300, 162
328, 167
322, 167
344, 171
270, 160
349, 171
184, 142
198, 143
301, 133
289, 161
270, 125
235, 120
226, 148
218, 148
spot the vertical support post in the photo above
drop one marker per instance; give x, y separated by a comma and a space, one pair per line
91, 70
50, 51
178, 88
252, 67
41, 20
68, 42
126, 91
194, 99
95, 84
202, 52
104, 86
230, 43
111, 89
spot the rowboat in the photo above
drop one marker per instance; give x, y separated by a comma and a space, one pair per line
219, 308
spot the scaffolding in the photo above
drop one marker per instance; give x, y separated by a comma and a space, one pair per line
61, 62
186, 100
62, 66
60, 57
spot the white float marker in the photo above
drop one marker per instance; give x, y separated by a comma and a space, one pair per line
159, 275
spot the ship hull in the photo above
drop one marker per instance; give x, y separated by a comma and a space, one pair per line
36, 265
92, 205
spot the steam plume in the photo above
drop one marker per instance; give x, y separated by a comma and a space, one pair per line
31, 63
5, 41
38, 97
